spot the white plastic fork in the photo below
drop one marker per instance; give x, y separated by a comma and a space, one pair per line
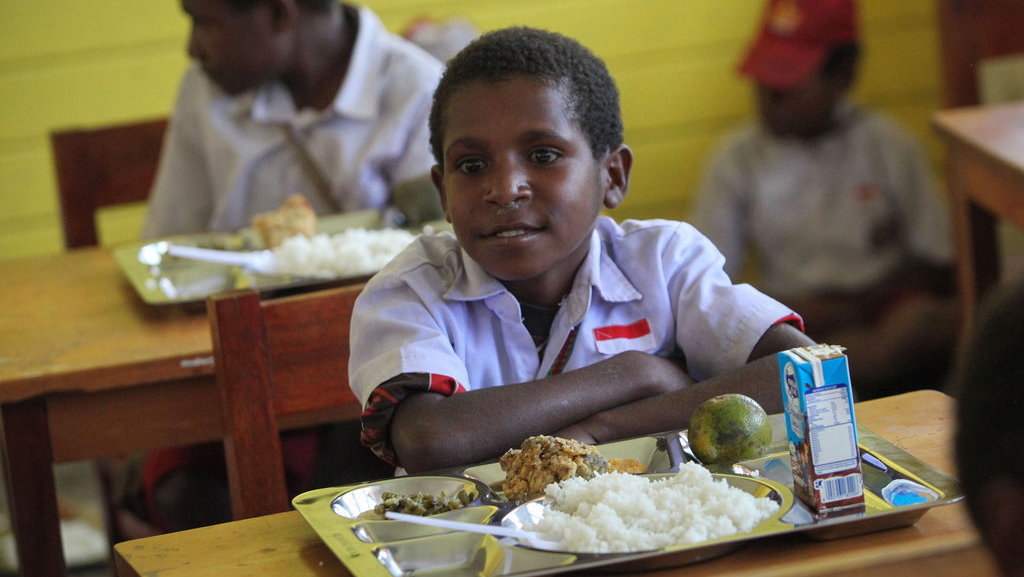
536, 540
260, 261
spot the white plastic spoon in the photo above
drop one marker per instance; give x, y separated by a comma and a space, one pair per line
536, 540
260, 261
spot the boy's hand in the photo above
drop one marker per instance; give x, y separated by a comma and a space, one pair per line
578, 433
660, 374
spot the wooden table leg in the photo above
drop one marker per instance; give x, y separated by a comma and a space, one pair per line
977, 250
31, 488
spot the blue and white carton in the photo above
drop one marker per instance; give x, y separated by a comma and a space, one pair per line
822, 428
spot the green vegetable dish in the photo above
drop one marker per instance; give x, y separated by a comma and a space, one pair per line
422, 504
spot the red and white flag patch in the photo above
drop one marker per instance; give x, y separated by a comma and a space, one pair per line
615, 339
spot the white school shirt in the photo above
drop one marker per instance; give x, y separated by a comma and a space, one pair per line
840, 213
227, 158
654, 286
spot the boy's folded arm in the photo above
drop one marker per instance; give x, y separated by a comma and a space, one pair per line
780, 337
757, 379
432, 431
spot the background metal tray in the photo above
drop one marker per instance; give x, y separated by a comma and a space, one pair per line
181, 281
371, 548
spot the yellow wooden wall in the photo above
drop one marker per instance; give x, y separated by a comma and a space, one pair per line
67, 63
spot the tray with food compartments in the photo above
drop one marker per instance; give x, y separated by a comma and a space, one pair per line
161, 279
898, 490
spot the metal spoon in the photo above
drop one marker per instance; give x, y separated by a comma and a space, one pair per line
535, 540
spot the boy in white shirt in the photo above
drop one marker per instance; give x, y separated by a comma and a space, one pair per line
310, 97
540, 316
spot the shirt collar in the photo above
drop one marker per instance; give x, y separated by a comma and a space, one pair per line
846, 112
357, 98
598, 271
472, 282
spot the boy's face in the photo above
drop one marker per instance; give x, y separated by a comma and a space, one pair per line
520, 184
804, 111
237, 49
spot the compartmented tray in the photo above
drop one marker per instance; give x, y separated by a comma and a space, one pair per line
899, 489
161, 280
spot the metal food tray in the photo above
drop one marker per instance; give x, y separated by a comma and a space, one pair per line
182, 281
385, 548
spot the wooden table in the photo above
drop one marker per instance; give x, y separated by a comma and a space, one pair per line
985, 174
942, 543
88, 370
83, 364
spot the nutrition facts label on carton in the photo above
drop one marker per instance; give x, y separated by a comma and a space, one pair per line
831, 430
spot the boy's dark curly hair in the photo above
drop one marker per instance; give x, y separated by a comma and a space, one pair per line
560, 61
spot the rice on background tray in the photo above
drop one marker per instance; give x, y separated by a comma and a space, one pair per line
619, 512
351, 252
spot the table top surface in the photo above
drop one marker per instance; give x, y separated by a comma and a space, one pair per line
920, 423
75, 323
996, 131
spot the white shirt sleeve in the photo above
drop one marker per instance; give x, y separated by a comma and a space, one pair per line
721, 205
182, 197
718, 323
926, 211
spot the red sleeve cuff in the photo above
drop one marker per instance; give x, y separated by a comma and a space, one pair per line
380, 408
793, 319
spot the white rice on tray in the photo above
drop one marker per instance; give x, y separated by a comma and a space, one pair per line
619, 512
352, 252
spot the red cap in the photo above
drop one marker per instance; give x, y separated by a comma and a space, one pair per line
794, 38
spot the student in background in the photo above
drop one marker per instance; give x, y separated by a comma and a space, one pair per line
442, 38
285, 96
312, 97
540, 315
835, 204
990, 426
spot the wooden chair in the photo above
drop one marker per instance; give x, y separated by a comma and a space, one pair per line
279, 360
103, 167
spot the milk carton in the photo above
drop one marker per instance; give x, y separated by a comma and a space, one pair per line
822, 429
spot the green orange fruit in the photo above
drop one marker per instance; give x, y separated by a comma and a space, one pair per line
729, 428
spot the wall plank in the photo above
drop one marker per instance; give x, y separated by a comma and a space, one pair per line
71, 63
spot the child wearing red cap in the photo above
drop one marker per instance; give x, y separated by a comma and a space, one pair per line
836, 202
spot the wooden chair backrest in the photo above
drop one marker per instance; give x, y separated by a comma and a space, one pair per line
275, 359
103, 167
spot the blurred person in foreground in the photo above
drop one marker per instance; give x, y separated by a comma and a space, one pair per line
285, 96
309, 97
990, 426
541, 316
835, 204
